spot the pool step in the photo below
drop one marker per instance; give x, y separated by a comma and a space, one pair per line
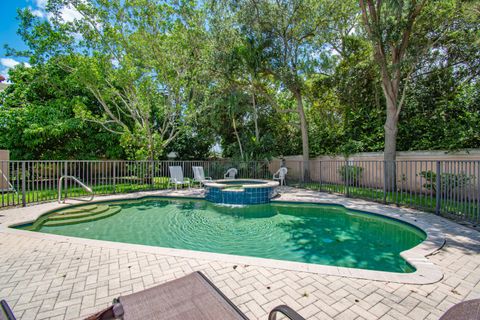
79, 209
86, 218
69, 214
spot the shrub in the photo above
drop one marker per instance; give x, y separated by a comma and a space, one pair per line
449, 182
351, 175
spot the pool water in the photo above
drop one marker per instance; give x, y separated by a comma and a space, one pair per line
320, 234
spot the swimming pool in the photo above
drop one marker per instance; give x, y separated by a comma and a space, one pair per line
310, 233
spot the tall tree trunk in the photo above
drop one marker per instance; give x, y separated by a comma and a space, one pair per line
391, 130
390, 56
151, 146
255, 117
238, 137
304, 131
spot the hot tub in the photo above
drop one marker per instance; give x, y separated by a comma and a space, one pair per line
240, 191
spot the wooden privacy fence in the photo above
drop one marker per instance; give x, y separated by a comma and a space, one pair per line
450, 188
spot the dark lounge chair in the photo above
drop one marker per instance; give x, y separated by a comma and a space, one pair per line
195, 297
189, 297
466, 310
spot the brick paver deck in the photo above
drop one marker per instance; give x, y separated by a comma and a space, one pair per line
44, 278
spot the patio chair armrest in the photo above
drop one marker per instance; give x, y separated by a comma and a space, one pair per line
286, 311
6, 310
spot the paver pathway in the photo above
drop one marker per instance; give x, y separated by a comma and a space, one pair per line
43, 278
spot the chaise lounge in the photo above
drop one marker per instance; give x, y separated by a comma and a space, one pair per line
191, 297
199, 175
195, 297
176, 177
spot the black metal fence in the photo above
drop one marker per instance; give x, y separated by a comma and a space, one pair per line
450, 188
27, 182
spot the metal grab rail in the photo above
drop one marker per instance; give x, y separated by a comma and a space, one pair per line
286, 311
80, 183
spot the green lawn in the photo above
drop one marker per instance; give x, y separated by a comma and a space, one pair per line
50, 194
468, 210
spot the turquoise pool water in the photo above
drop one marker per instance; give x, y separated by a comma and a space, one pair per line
321, 234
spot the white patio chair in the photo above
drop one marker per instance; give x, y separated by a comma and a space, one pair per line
199, 175
280, 175
230, 174
176, 177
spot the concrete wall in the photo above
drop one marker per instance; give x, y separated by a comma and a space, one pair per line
471, 154
4, 172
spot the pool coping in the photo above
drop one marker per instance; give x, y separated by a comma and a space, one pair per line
265, 184
426, 272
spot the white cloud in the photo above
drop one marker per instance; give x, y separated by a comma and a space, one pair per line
42, 4
4, 73
37, 12
70, 14
9, 62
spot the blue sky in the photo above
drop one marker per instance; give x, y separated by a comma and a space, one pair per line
8, 28
9, 24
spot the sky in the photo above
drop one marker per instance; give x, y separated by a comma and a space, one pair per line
8, 30
9, 25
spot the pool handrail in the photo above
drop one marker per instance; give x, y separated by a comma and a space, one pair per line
80, 183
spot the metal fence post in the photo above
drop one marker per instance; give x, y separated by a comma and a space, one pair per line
300, 171
114, 177
152, 170
438, 190
477, 218
320, 175
65, 173
384, 181
346, 178
24, 192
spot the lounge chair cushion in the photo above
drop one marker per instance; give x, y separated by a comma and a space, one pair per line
189, 297
466, 310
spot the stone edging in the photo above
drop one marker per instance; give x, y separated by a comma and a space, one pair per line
221, 185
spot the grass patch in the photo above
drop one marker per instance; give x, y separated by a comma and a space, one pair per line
465, 210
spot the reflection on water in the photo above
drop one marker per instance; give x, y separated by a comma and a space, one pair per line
322, 234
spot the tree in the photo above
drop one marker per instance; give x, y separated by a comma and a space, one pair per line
403, 34
140, 59
240, 91
37, 118
140, 78
287, 31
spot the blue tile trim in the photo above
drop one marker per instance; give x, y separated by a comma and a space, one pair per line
246, 196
